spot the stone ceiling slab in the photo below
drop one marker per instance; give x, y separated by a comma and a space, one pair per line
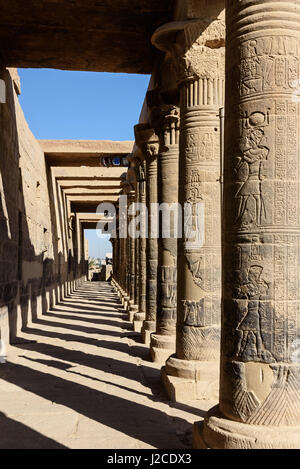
94, 35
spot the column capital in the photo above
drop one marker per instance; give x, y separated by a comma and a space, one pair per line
127, 187
165, 119
194, 45
147, 141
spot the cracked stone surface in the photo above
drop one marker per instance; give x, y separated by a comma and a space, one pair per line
86, 381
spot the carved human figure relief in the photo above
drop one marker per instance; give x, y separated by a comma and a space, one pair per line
253, 290
249, 171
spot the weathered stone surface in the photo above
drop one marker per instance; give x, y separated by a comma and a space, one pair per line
199, 68
218, 432
260, 373
86, 35
79, 384
166, 123
83, 152
148, 142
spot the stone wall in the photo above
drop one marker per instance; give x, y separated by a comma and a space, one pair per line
29, 260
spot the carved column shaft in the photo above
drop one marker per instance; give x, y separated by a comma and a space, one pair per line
199, 256
260, 372
148, 142
137, 256
152, 245
130, 252
132, 257
140, 316
163, 341
132, 242
198, 54
120, 253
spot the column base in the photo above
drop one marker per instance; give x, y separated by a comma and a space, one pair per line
162, 346
138, 320
126, 302
4, 334
133, 309
189, 380
148, 328
217, 432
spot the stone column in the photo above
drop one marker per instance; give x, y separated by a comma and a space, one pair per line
130, 253
122, 220
113, 242
148, 142
134, 309
140, 315
193, 372
167, 128
133, 198
119, 251
260, 358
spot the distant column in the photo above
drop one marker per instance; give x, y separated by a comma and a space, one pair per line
140, 315
132, 177
131, 254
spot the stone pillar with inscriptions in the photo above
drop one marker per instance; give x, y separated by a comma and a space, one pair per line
137, 257
129, 252
140, 315
132, 179
260, 353
148, 142
127, 191
198, 50
166, 123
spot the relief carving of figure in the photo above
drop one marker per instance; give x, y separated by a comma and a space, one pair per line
252, 290
249, 171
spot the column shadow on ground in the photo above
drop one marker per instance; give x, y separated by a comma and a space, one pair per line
139, 421
16, 435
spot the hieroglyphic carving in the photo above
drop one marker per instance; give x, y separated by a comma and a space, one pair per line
281, 404
199, 257
249, 170
202, 146
199, 325
148, 142
167, 295
165, 120
269, 64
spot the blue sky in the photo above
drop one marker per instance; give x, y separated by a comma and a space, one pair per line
82, 105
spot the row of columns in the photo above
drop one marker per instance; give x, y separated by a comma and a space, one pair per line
235, 299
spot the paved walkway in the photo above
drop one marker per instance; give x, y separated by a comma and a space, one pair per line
85, 381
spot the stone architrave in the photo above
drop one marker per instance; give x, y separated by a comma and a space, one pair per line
166, 122
260, 352
198, 53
